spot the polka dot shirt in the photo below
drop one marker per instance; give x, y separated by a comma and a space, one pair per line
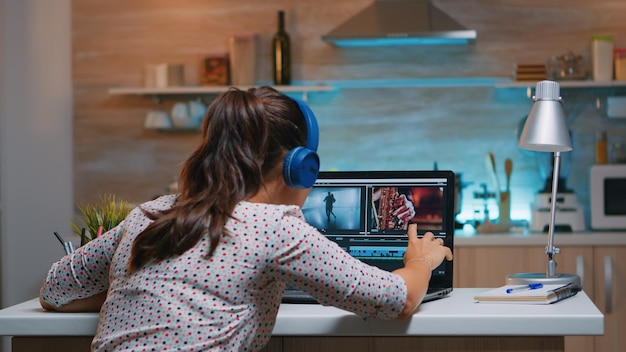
227, 302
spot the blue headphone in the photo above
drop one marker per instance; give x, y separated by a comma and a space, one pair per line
302, 164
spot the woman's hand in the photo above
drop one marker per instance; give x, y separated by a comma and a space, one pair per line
428, 247
421, 257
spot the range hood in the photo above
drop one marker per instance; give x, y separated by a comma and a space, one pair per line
400, 22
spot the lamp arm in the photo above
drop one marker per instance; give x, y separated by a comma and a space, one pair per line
551, 251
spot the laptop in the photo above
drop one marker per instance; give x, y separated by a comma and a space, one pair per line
355, 210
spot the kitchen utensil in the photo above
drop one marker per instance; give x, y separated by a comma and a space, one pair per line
505, 197
490, 162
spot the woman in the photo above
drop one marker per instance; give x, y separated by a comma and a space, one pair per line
205, 269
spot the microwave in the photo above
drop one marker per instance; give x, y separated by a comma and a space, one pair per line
607, 193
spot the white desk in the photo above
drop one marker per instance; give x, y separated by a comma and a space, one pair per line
452, 323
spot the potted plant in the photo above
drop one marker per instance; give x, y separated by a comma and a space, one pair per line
100, 217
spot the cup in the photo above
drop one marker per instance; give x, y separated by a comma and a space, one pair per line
157, 120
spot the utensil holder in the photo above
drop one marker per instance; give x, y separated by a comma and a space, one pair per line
504, 207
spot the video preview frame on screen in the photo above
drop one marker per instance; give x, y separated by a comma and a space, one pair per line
343, 208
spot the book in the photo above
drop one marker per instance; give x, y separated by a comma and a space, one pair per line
546, 294
530, 76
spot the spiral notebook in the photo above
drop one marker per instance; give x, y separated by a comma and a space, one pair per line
355, 210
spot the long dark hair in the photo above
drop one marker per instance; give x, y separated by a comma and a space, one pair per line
245, 135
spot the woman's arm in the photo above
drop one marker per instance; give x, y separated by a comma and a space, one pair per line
416, 276
82, 275
89, 304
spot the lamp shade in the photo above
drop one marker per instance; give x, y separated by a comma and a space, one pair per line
545, 129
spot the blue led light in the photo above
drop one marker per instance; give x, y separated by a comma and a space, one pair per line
372, 42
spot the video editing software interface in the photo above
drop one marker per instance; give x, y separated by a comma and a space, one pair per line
368, 217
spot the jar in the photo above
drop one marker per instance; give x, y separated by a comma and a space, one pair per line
618, 153
566, 67
602, 57
619, 60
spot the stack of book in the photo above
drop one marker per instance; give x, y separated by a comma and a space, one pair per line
530, 72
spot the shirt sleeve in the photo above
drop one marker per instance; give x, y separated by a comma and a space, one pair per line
82, 273
308, 260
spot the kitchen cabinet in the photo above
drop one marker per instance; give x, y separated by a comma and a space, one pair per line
602, 269
489, 266
609, 272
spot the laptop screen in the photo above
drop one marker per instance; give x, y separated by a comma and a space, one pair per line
359, 211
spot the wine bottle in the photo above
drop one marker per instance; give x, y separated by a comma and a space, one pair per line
282, 53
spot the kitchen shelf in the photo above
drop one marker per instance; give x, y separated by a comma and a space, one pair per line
306, 87
209, 90
564, 84
434, 82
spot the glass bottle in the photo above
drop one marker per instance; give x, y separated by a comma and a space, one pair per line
601, 148
282, 53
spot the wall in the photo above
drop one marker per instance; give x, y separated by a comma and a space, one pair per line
361, 128
35, 142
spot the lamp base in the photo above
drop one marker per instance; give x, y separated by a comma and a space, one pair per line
533, 278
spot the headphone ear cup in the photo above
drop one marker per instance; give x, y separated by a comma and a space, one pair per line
301, 168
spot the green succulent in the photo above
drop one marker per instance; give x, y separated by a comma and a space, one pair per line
106, 214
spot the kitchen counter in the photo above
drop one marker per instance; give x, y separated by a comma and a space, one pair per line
457, 315
469, 239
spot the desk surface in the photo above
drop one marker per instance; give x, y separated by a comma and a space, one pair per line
455, 315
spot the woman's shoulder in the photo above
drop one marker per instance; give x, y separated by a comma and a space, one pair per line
137, 216
160, 203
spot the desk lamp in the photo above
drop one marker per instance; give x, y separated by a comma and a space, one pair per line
545, 130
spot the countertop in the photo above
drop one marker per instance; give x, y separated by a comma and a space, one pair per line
594, 238
455, 315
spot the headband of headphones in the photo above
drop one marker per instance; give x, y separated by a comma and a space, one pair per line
312, 130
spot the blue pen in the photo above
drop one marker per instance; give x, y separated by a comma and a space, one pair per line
524, 288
